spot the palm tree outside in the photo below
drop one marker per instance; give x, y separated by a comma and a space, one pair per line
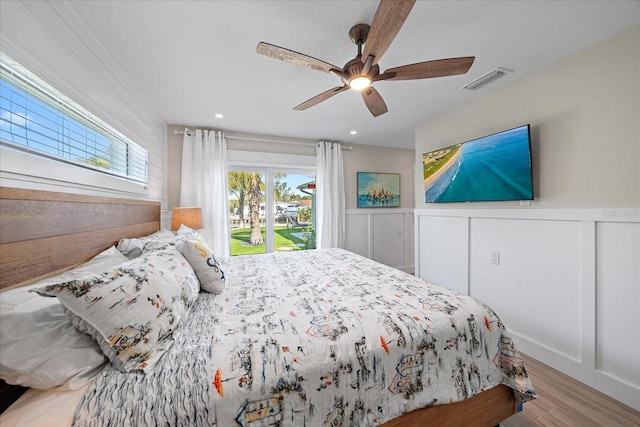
292, 213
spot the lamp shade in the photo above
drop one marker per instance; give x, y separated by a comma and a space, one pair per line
191, 217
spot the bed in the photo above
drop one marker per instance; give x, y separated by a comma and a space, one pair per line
312, 338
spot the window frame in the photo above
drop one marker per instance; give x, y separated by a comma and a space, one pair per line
130, 173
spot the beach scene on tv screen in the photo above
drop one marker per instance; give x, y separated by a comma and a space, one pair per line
493, 168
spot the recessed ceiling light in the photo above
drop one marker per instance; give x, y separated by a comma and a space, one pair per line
354, 132
219, 116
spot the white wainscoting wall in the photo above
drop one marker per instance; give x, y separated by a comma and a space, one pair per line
567, 284
382, 234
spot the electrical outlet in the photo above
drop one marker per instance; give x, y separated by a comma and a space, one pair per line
495, 258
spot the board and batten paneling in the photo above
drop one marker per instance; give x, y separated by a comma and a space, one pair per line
445, 263
617, 291
384, 235
567, 284
536, 275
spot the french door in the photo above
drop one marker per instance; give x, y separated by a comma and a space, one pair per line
272, 209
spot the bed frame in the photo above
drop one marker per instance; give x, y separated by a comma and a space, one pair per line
44, 233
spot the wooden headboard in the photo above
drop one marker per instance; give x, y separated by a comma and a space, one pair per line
43, 233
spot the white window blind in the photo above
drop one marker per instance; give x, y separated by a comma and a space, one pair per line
36, 118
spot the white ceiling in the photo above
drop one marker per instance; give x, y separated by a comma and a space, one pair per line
191, 59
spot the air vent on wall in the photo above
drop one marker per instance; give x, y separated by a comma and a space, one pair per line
485, 79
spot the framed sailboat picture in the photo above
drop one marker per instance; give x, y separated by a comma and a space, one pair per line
378, 190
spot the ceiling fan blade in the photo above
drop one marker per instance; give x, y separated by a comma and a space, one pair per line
387, 21
374, 101
319, 98
295, 58
383, 76
429, 69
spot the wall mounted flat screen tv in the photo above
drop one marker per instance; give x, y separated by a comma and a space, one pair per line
492, 168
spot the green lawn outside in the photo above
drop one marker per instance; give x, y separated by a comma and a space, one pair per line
284, 240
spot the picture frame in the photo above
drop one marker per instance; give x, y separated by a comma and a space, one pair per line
378, 190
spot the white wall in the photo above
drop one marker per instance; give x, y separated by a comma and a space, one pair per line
34, 35
364, 158
568, 282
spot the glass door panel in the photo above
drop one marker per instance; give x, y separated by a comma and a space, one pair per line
247, 212
294, 211
271, 209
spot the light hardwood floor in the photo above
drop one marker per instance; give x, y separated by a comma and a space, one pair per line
563, 401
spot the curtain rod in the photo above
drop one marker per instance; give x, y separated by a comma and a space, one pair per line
276, 141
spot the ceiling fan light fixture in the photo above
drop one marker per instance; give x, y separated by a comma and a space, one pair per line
360, 72
359, 82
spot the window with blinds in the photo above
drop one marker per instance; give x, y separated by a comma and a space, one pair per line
36, 118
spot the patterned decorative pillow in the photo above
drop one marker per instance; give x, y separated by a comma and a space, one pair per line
205, 264
136, 310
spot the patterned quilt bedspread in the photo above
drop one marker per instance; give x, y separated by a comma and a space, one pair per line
315, 338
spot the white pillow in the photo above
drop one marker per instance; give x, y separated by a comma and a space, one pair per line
39, 347
134, 311
205, 264
133, 248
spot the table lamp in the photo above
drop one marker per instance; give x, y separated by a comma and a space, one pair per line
191, 217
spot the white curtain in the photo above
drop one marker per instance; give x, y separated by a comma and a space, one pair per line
329, 196
204, 184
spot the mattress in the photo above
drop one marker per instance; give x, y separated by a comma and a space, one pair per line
322, 337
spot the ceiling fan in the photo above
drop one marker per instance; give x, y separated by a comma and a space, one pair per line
363, 70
